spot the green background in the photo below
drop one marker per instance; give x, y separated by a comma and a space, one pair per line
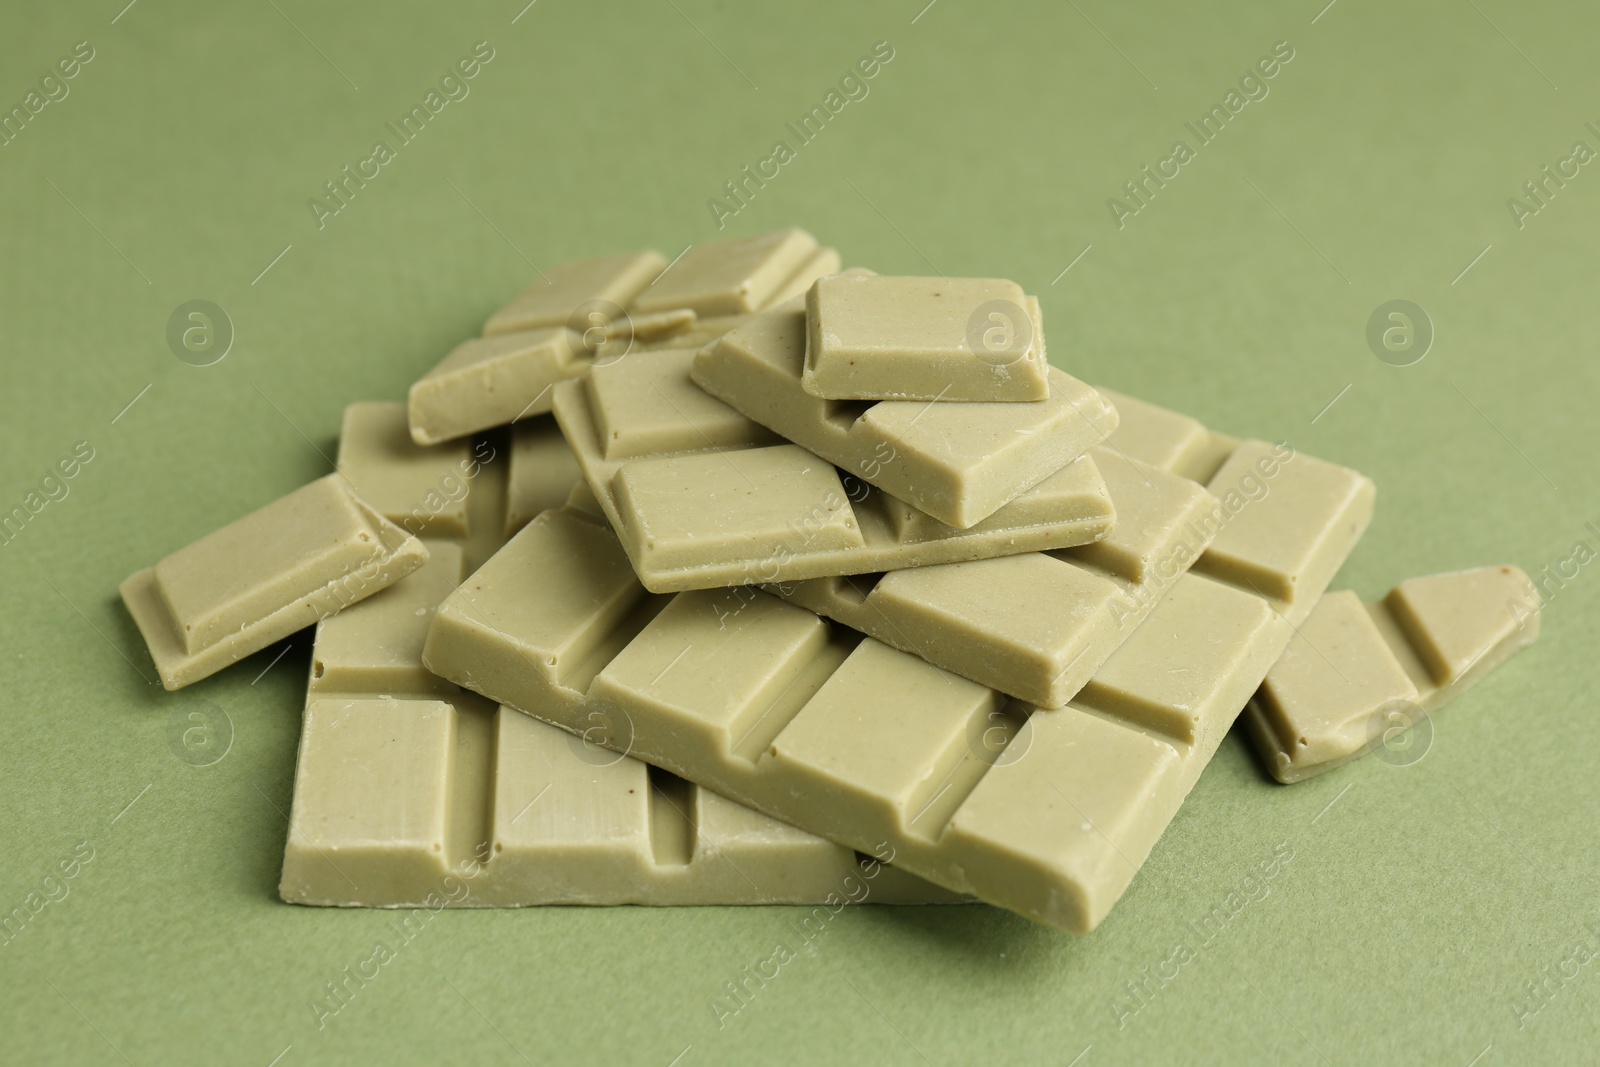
1415, 908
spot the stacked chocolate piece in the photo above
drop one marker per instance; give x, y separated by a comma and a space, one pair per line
835, 588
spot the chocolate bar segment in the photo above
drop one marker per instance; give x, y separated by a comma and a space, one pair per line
264, 576
739, 275
595, 312
411, 792
1281, 523
551, 300
1045, 812
542, 472
704, 497
1034, 626
872, 337
490, 381
420, 488
405, 803
959, 463
1356, 675
1037, 627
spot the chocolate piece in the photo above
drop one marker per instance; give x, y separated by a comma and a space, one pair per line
596, 311
260, 578
409, 802
542, 474
1038, 626
1357, 675
740, 275
491, 381
872, 337
1048, 813
1282, 523
703, 497
551, 300
959, 463
1034, 626
411, 792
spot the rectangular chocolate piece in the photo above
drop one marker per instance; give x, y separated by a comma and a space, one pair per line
408, 802
542, 473
412, 792
1357, 676
264, 576
959, 463
879, 337
1048, 813
420, 488
593, 312
1282, 521
491, 381
740, 275
703, 496
1034, 626
551, 300
1168, 439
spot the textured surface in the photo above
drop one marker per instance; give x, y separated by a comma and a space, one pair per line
1410, 913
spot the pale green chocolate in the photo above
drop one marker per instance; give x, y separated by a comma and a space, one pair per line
880, 337
1034, 626
1356, 675
1044, 812
543, 472
1168, 439
411, 792
959, 463
739, 275
703, 496
264, 576
1038, 626
551, 300
594, 312
490, 381
1282, 522
418, 487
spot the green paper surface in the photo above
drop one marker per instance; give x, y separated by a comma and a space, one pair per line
1417, 902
